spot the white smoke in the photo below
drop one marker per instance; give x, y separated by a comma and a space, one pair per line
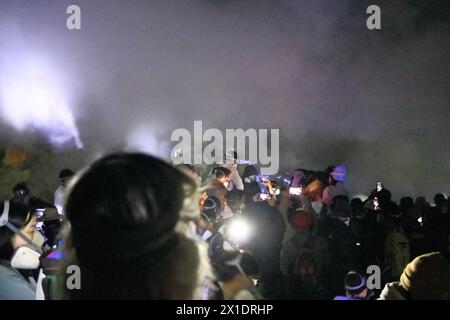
32, 98
144, 139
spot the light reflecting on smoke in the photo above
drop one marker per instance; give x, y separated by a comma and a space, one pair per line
144, 139
32, 99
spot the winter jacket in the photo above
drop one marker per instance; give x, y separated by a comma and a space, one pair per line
332, 191
341, 242
290, 250
393, 291
342, 248
13, 286
265, 243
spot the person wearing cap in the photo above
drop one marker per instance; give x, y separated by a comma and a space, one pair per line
335, 184
355, 287
302, 222
427, 277
58, 197
21, 193
52, 224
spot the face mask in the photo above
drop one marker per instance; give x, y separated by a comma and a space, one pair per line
250, 179
38, 239
25, 257
317, 206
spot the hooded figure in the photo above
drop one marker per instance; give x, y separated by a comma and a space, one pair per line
124, 234
341, 242
427, 277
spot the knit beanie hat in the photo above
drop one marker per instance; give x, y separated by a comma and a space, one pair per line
339, 173
249, 171
301, 219
354, 282
427, 277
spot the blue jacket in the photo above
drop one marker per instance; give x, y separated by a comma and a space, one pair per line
14, 286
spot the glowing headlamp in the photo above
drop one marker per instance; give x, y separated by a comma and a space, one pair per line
238, 231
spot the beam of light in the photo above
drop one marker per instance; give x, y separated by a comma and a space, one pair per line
238, 231
32, 99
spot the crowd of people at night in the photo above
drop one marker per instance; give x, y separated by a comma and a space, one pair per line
137, 227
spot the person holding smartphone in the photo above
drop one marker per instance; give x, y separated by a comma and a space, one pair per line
267, 242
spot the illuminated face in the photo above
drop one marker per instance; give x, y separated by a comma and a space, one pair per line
28, 231
224, 180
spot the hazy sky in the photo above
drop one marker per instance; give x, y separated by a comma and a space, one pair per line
377, 101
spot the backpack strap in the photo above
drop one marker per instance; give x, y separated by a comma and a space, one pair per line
309, 241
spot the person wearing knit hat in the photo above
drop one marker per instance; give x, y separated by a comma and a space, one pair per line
123, 232
427, 277
355, 287
249, 174
301, 220
339, 173
302, 223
